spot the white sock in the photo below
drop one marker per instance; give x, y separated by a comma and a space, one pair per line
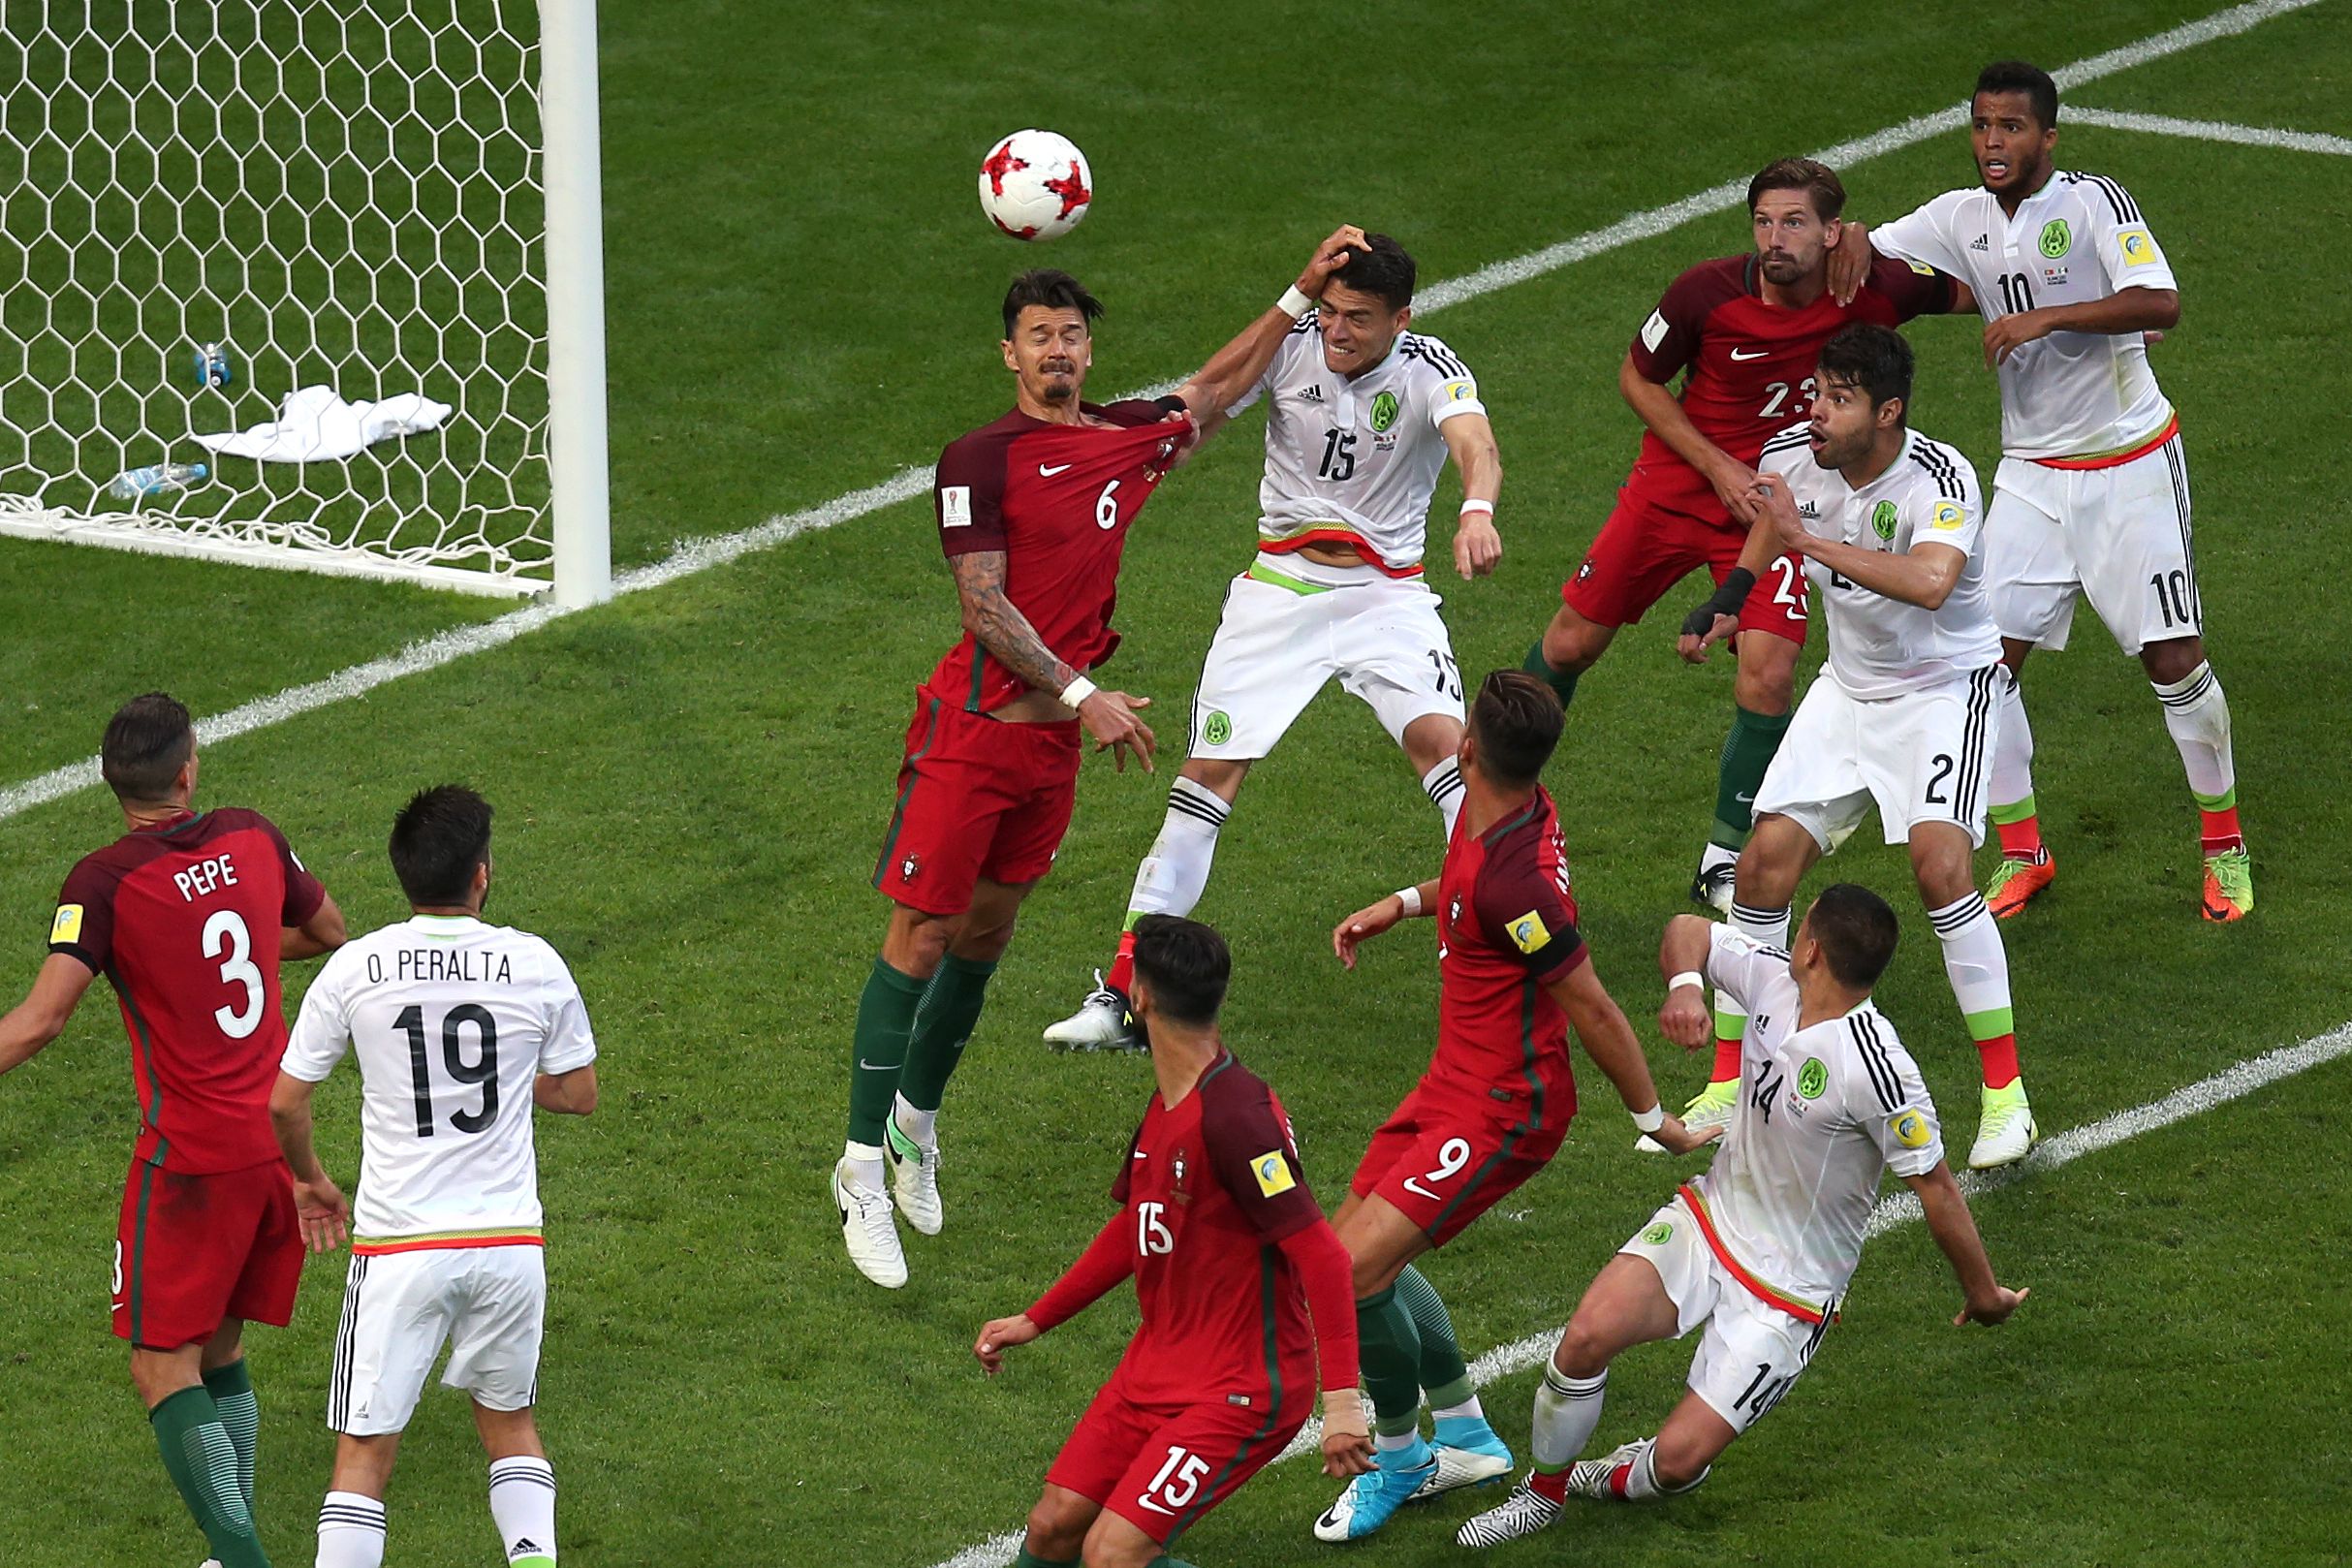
865, 1162
1171, 877
1977, 964
922, 1126
1389, 1442
1642, 1480
1442, 784
2012, 747
1468, 1410
2198, 716
1770, 926
1566, 1411
351, 1531
523, 1501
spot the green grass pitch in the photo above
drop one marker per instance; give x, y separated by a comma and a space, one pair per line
691, 783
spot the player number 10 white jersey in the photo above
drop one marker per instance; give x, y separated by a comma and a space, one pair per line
452, 1020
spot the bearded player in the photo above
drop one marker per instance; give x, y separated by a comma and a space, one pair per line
1513, 977
188, 915
1362, 415
1747, 329
1230, 1256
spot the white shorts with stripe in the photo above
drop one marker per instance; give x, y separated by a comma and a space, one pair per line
1291, 627
1752, 1353
1921, 757
2118, 536
489, 1304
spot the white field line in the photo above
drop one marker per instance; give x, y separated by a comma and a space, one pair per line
2248, 136
1894, 1211
686, 560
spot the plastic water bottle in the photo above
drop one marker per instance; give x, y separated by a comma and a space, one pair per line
156, 479
213, 366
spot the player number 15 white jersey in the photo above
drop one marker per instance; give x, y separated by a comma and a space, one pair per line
452, 1020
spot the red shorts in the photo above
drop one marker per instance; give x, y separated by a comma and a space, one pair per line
1443, 1160
976, 797
194, 1249
1160, 1467
1645, 550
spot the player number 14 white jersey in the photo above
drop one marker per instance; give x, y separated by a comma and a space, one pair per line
452, 1021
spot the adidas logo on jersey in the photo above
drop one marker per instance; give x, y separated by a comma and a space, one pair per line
1981, 243
1313, 395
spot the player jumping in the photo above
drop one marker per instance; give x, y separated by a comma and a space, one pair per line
1759, 1249
1513, 977
460, 1029
188, 917
2091, 499
1747, 329
1231, 1256
1362, 415
1906, 712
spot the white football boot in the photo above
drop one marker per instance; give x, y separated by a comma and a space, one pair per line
1100, 1023
914, 1177
869, 1231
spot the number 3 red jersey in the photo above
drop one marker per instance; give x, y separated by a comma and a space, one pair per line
183, 920
1056, 499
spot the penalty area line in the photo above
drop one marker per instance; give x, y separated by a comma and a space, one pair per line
2244, 135
1894, 1211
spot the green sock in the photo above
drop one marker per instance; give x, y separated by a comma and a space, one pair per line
1387, 1348
1561, 681
943, 1023
1030, 1559
886, 1018
1747, 751
202, 1462
240, 1413
1444, 1377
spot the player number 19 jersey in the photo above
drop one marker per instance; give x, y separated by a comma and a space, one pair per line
452, 1020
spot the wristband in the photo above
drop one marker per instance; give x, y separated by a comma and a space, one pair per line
1293, 302
1343, 1412
1728, 597
1688, 977
1077, 692
1475, 505
1172, 404
1650, 1120
1410, 898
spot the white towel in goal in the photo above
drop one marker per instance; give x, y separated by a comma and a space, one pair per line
315, 425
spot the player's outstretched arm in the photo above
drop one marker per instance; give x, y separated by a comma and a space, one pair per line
41, 1017
1609, 1040
318, 1203
1663, 412
1987, 1301
1235, 368
998, 624
323, 933
566, 1094
1107, 1260
1685, 1019
2127, 310
1850, 260
1716, 619
1373, 918
1470, 440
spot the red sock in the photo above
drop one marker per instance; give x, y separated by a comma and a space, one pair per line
1553, 1484
1999, 1054
2020, 840
2221, 831
1121, 978
1619, 1476
1727, 1061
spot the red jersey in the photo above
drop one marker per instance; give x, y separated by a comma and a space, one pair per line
1506, 929
1209, 1186
1056, 499
1751, 363
183, 918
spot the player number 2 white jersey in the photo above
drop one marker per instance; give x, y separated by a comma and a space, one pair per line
1354, 461
1880, 646
1823, 1112
452, 1021
2078, 240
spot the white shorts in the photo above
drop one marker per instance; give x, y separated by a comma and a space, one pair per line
2119, 535
489, 1303
1922, 757
1752, 1353
1290, 626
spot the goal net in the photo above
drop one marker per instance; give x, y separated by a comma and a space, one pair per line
347, 194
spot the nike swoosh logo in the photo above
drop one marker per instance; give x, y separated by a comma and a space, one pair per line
1139, 1154
1758, 355
873, 1067
1044, 472
1155, 1507
1743, 800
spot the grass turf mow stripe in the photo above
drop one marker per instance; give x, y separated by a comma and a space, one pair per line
700, 555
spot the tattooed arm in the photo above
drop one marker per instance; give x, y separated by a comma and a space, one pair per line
998, 624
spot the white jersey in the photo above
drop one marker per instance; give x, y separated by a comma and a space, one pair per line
1355, 460
453, 1020
1880, 646
2078, 240
1822, 1113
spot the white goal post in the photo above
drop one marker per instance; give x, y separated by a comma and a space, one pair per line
357, 201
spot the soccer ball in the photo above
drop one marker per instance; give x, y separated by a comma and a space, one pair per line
1035, 185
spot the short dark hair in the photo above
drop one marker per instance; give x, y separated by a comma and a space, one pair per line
1874, 358
147, 741
1516, 719
1187, 964
2017, 76
1384, 269
437, 840
1856, 931
1818, 180
1052, 288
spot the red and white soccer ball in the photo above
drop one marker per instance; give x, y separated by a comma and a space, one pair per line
1035, 185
